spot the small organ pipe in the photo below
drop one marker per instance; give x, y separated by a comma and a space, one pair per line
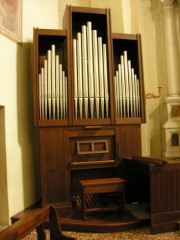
45, 89
49, 84
53, 88
126, 82
127, 93
61, 90
57, 85
84, 63
90, 68
101, 80
96, 70
75, 76
40, 97
79, 71
106, 92
120, 90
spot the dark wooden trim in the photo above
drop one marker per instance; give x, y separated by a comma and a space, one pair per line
165, 217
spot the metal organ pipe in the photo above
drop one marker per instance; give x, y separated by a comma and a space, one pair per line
126, 89
52, 88
95, 98
91, 90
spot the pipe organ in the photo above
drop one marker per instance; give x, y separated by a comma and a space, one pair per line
88, 101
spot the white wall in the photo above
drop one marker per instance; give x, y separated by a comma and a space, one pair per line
154, 68
18, 162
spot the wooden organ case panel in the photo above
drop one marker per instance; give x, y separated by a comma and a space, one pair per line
55, 186
129, 140
86, 122
90, 38
51, 77
128, 78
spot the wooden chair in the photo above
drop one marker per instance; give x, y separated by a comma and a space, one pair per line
36, 220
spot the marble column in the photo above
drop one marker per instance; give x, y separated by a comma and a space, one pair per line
172, 125
171, 48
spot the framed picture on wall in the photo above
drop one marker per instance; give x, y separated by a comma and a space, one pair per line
11, 19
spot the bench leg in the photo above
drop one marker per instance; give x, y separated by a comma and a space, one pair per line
123, 203
83, 206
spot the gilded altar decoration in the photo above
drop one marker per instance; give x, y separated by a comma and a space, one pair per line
168, 3
152, 95
175, 111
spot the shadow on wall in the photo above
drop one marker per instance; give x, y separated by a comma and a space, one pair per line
155, 141
156, 116
4, 216
26, 131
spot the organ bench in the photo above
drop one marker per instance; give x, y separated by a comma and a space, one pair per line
105, 185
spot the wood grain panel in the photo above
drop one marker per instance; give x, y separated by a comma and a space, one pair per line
129, 138
166, 188
53, 166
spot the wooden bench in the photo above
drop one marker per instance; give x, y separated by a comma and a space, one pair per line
98, 186
35, 220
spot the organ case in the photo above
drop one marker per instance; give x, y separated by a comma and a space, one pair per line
78, 107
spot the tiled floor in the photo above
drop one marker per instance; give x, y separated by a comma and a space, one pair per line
138, 234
